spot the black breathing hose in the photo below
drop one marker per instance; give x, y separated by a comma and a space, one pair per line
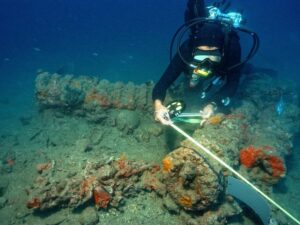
181, 31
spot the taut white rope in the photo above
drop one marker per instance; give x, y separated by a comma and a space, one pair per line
224, 164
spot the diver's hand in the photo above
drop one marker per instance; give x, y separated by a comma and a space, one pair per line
161, 113
207, 111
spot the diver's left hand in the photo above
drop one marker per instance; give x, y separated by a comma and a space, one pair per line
207, 111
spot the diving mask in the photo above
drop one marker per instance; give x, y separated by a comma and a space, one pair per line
205, 62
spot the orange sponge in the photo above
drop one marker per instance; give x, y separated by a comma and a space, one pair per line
167, 164
249, 156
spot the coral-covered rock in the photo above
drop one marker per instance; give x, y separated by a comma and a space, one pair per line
101, 197
250, 156
87, 93
190, 181
269, 168
41, 167
104, 184
127, 121
33, 203
216, 119
274, 165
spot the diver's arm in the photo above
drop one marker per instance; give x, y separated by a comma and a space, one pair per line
173, 71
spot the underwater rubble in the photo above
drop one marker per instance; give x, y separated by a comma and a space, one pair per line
105, 184
254, 138
185, 185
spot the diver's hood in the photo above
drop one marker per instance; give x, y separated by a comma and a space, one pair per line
209, 34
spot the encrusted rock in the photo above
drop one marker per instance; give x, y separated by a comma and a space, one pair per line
90, 94
190, 181
105, 185
106, 172
155, 129
127, 121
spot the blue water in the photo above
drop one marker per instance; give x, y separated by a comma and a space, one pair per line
125, 40
119, 40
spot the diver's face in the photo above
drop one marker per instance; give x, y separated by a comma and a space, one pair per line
207, 48
210, 49
206, 59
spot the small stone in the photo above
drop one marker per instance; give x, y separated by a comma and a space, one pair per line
142, 136
71, 174
83, 145
229, 198
55, 219
22, 215
96, 137
41, 167
89, 217
2, 202
155, 130
3, 185
97, 118
127, 121
61, 186
106, 172
7, 169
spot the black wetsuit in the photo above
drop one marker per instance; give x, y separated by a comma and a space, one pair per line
177, 67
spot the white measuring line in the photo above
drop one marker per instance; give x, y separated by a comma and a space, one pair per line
234, 172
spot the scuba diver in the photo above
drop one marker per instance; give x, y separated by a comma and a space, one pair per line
210, 58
